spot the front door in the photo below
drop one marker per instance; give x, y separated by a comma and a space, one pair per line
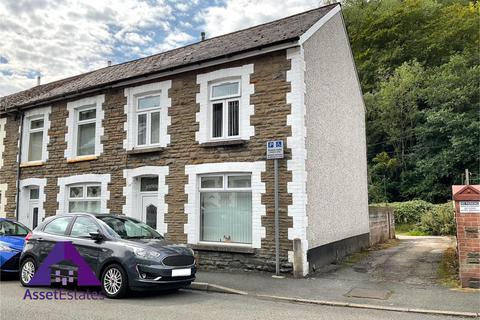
29, 216
149, 210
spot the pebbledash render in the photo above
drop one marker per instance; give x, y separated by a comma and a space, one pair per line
178, 140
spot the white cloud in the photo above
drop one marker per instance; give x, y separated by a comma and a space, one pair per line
61, 38
240, 14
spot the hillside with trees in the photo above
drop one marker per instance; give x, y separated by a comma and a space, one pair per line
419, 66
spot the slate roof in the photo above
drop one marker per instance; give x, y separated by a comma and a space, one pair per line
261, 36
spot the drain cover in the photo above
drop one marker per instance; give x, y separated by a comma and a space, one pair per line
381, 294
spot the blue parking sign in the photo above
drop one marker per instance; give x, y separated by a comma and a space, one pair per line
275, 149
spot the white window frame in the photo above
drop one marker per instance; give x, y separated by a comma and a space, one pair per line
84, 197
224, 188
204, 99
224, 100
3, 123
78, 123
148, 112
29, 116
64, 183
133, 94
74, 107
192, 207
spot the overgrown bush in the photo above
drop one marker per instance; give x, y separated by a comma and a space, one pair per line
439, 220
410, 212
422, 217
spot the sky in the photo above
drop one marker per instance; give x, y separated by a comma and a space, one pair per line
60, 38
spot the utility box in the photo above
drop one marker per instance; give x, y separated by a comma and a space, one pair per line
467, 216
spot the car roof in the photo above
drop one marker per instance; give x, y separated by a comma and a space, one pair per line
94, 215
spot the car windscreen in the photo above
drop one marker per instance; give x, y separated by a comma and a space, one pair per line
131, 229
8, 228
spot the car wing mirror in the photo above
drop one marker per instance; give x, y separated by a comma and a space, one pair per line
96, 235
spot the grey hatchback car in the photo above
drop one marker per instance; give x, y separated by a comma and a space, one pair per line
123, 252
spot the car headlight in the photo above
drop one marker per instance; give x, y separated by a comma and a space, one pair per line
5, 248
146, 254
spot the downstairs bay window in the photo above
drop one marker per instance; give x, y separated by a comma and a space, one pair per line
226, 208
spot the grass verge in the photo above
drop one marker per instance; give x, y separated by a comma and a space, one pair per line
409, 230
448, 269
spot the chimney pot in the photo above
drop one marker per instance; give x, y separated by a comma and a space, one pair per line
39, 78
203, 36
109, 63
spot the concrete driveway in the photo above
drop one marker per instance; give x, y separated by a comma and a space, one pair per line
415, 260
403, 275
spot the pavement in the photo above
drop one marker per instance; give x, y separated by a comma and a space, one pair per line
402, 276
184, 304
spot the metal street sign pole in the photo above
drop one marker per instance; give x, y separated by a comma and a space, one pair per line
275, 152
277, 222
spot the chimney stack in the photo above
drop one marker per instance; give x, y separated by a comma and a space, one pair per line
203, 36
38, 80
109, 63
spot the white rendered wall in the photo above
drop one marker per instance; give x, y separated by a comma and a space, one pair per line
337, 190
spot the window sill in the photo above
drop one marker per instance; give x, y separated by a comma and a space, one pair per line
32, 164
81, 159
223, 143
222, 248
145, 150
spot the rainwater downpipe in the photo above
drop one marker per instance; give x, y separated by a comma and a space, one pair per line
19, 160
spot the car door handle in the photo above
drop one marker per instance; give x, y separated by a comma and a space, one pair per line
40, 239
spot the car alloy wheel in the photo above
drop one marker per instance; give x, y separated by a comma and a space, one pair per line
27, 271
114, 281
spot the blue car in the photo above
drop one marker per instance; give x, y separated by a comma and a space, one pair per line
12, 239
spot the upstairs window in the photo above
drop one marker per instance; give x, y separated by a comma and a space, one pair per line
225, 109
85, 130
148, 120
36, 124
35, 139
86, 127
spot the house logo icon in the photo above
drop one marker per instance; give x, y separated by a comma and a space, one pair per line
60, 252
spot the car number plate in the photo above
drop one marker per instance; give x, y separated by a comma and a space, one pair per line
181, 272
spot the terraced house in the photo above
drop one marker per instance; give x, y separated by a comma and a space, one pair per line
178, 140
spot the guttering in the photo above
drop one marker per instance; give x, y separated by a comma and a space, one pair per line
19, 160
243, 54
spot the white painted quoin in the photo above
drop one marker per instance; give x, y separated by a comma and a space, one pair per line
192, 208
3, 199
133, 195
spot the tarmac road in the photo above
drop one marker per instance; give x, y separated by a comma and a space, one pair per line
184, 304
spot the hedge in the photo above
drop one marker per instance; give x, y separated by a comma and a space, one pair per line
433, 219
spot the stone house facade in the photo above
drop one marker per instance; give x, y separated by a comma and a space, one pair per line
178, 141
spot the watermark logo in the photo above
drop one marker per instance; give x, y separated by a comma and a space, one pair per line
64, 251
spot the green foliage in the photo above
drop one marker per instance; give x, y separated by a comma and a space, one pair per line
439, 220
410, 212
419, 218
419, 66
